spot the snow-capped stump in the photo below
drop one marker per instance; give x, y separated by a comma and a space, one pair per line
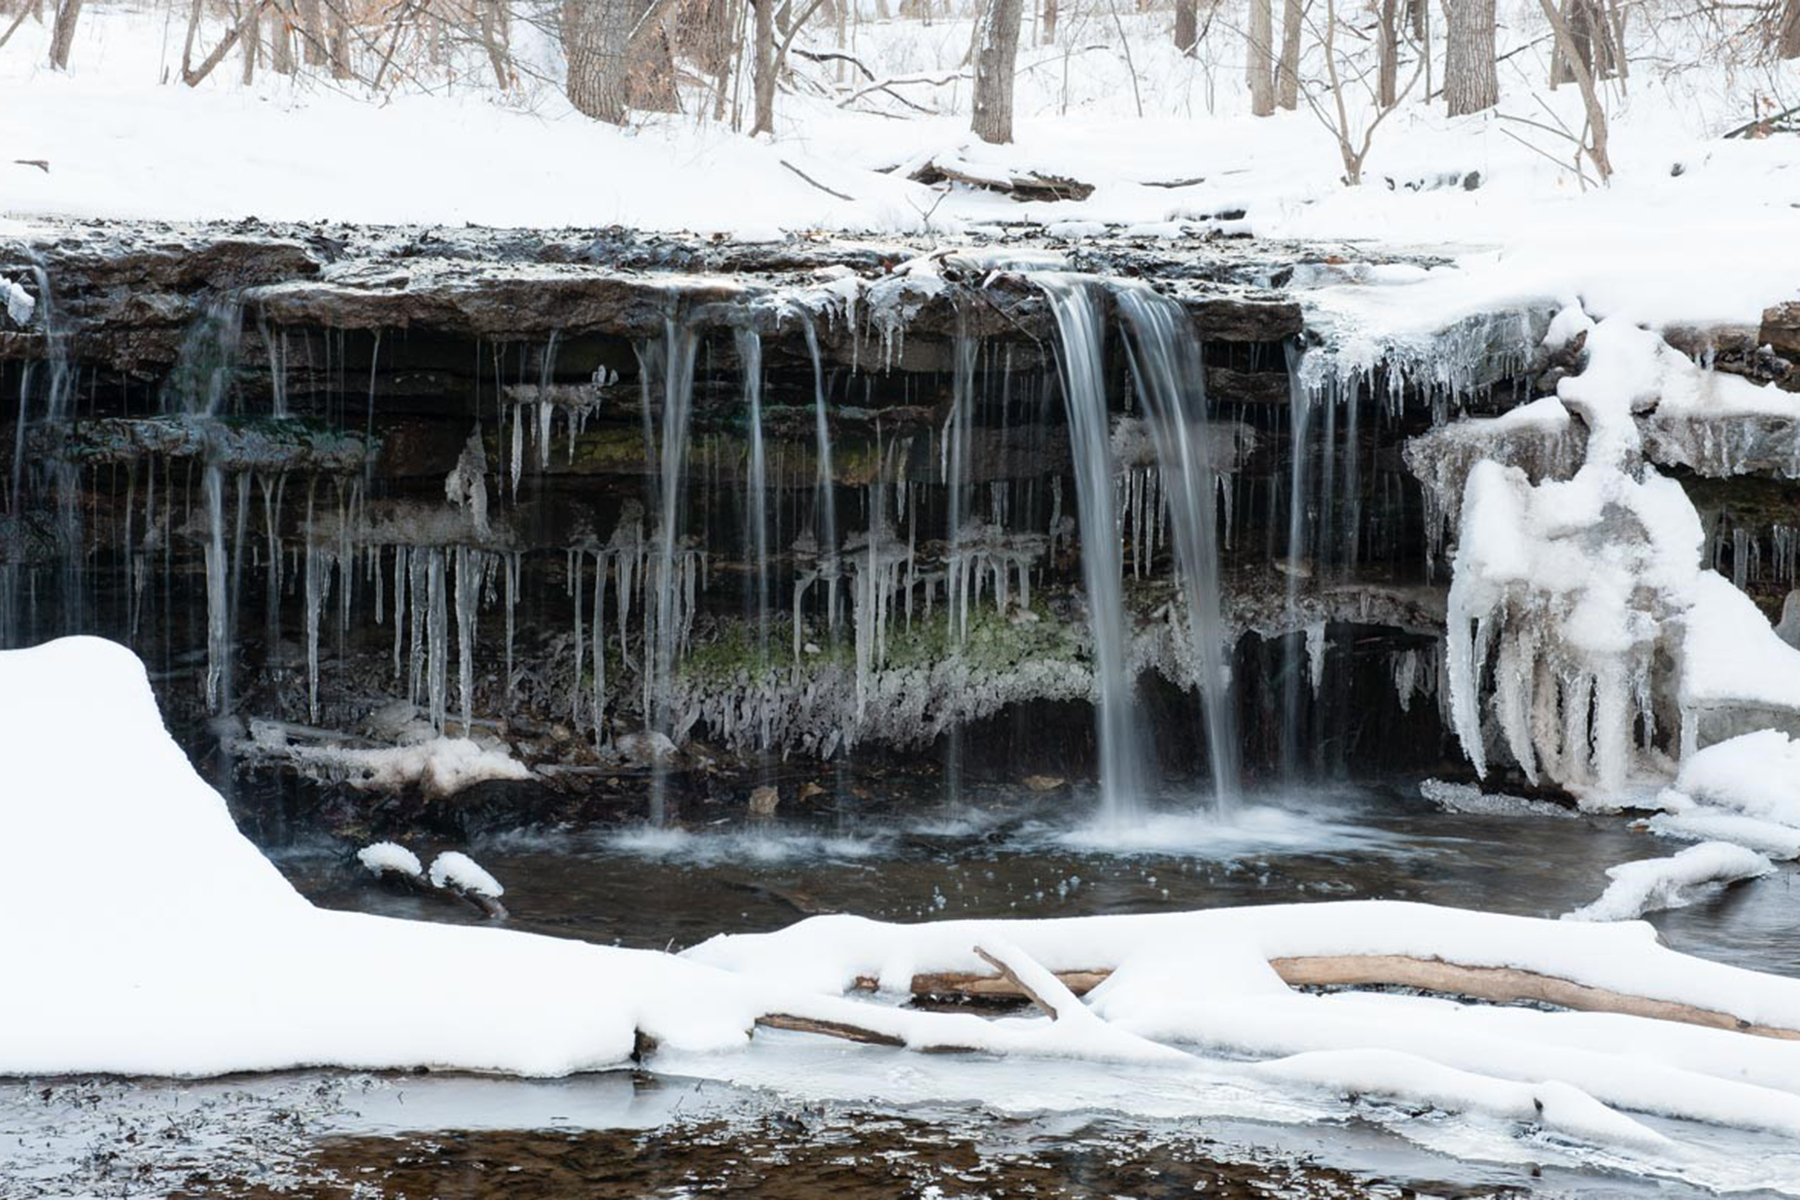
391, 861
457, 873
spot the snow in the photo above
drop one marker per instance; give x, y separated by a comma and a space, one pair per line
1651, 884
383, 857
1464, 798
19, 303
1526, 234
456, 870
1745, 789
439, 766
1591, 587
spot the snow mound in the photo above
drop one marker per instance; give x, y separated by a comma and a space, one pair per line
188, 954
17, 301
387, 857
1745, 790
1653, 884
453, 869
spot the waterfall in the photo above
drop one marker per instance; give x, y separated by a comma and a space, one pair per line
1297, 567
749, 349
1171, 381
955, 467
673, 361
1081, 338
826, 503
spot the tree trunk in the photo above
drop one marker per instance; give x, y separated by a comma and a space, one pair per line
996, 58
650, 78
312, 32
62, 33
1788, 43
1387, 44
281, 39
495, 39
1590, 98
1259, 67
596, 41
1470, 84
1187, 25
1048, 34
763, 76
252, 41
340, 48
1288, 82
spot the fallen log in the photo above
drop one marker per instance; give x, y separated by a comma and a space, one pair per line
1020, 185
1499, 985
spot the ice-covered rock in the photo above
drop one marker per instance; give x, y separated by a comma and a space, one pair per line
1653, 884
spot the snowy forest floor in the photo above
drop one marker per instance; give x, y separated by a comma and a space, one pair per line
1694, 228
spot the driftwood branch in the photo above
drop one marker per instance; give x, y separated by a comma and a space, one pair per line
1500, 985
1012, 978
828, 191
192, 78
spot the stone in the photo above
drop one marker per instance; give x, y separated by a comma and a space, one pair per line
763, 800
1781, 329
1044, 783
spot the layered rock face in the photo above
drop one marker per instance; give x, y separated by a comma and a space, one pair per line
597, 504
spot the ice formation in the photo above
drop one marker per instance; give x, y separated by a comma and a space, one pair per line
1588, 595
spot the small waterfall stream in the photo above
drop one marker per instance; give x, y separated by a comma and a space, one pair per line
1081, 356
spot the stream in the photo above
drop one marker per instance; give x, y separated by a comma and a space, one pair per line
796, 1116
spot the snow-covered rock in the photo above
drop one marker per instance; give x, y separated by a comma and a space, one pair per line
1653, 884
456, 870
385, 858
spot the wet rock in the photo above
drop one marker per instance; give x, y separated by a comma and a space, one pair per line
1044, 783
649, 748
1781, 329
763, 800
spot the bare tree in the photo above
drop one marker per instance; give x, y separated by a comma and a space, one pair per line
596, 36
281, 38
763, 75
312, 32
1470, 84
1593, 142
1787, 42
1288, 70
1353, 143
252, 42
1259, 67
1047, 34
1387, 48
496, 38
62, 33
1187, 25
996, 49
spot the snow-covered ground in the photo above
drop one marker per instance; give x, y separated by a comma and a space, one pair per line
1693, 228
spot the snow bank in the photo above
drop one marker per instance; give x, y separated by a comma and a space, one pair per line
185, 952
1652, 884
1745, 790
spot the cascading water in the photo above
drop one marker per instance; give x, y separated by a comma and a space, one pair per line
1080, 356
825, 502
1170, 374
674, 361
749, 349
956, 470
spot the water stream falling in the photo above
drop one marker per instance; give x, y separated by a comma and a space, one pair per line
1081, 358
1171, 379
825, 503
673, 363
749, 349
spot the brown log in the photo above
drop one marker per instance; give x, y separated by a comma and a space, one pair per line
836, 1029
1501, 985
1027, 186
